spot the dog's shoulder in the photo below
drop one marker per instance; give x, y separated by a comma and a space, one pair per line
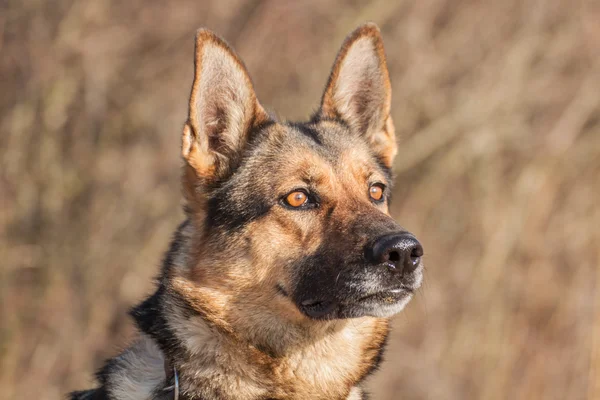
136, 374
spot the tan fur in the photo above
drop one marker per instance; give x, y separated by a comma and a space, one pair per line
318, 361
226, 298
305, 359
241, 304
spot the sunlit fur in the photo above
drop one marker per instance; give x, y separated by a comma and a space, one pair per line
227, 312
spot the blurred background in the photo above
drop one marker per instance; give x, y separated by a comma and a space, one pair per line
497, 107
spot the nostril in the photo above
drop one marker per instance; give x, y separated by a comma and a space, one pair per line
415, 255
394, 256
414, 259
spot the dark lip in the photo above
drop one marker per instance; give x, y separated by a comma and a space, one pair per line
318, 309
327, 309
323, 308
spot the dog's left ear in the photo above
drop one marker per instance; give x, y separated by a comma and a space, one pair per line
359, 92
223, 109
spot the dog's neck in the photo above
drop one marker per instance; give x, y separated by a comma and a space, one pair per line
210, 361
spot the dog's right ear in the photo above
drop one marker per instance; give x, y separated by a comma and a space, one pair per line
222, 111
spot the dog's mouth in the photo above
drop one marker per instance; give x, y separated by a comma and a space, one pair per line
329, 309
388, 296
383, 303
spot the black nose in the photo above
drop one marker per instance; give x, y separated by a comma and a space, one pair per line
399, 251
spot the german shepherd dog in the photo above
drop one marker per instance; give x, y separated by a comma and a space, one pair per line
281, 280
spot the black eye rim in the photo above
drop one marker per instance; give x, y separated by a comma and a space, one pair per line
311, 200
383, 192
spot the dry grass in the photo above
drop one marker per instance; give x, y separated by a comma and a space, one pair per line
497, 104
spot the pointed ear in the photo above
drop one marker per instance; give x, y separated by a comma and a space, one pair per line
222, 111
358, 90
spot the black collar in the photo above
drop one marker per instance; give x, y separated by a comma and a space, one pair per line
172, 390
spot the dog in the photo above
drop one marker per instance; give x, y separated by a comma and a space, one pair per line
281, 281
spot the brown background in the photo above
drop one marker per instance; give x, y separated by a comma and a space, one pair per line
497, 106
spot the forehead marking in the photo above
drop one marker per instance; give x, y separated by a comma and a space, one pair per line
309, 132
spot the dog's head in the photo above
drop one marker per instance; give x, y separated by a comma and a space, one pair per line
291, 219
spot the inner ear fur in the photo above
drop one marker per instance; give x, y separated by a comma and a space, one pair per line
223, 109
359, 92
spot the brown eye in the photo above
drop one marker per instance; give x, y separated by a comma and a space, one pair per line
376, 192
296, 199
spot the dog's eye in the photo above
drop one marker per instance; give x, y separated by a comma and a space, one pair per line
296, 199
376, 192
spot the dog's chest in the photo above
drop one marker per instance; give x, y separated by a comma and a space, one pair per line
300, 376
323, 370
216, 367
321, 367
